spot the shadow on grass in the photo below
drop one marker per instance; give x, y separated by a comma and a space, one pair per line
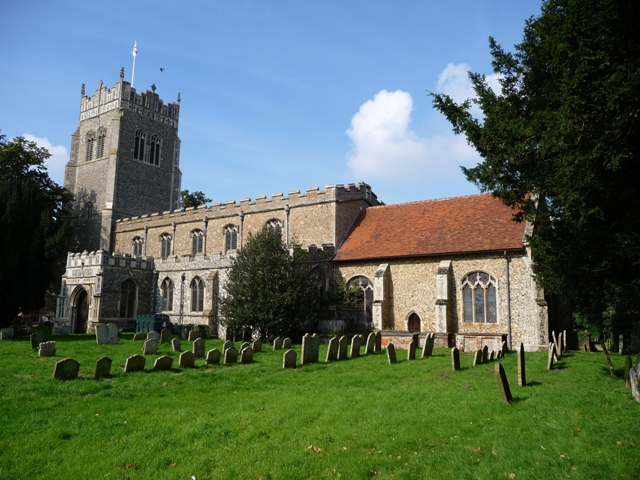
518, 400
533, 384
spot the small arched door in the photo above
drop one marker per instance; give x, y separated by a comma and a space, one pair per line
414, 322
82, 307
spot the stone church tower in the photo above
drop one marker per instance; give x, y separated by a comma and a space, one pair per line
124, 161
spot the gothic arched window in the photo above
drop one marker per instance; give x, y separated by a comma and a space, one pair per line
274, 225
154, 150
165, 245
91, 138
102, 137
138, 145
137, 246
479, 303
363, 284
197, 242
128, 299
197, 295
166, 290
230, 237
318, 281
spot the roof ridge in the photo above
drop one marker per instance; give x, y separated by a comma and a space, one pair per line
429, 200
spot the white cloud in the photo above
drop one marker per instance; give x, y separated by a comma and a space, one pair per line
57, 161
455, 82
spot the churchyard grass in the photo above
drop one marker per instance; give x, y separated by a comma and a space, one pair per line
354, 419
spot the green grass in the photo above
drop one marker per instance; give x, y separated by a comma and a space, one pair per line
359, 418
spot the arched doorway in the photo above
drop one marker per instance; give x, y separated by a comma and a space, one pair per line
414, 322
82, 309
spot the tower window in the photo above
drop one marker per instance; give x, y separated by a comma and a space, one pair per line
165, 247
137, 247
230, 238
197, 295
102, 136
479, 298
138, 145
154, 150
91, 138
197, 242
167, 295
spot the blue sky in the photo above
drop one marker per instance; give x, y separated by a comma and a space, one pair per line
276, 95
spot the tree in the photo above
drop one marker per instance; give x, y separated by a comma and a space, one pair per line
33, 231
268, 289
194, 199
559, 143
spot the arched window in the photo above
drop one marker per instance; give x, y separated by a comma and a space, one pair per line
166, 290
479, 303
154, 150
230, 237
275, 225
89, 208
318, 281
102, 137
197, 295
165, 245
197, 242
138, 145
363, 284
137, 246
128, 299
413, 322
91, 138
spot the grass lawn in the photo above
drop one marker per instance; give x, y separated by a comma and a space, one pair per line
354, 419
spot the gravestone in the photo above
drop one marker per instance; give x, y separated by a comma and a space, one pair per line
391, 354
187, 359
257, 346
378, 341
140, 336
134, 363
277, 343
559, 346
503, 383
429, 340
244, 345
485, 354
492, 355
564, 341
552, 354
310, 349
106, 334
150, 347
522, 376
355, 346
455, 358
289, 359
6, 333
627, 367
635, 384
246, 355
213, 357
65, 331
226, 345
199, 347
163, 363
371, 344
411, 351
175, 344
36, 339
612, 370
343, 346
66, 369
165, 335
102, 368
286, 343
231, 355
47, 349
153, 335
193, 335
477, 358
504, 348
499, 355
332, 350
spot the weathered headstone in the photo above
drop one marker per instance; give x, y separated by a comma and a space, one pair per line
246, 355
106, 334
289, 359
391, 354
371, 344
231, 355
310, 349
193, 335
564, 340
199, 347
150, 347
257, 345
429, 340
378, 341
555, 337
559, 346
286, 343
332, 350
343, 346
504, 348
499, 355
213, 357
411, 351
102, 368
187, 359
47, 349
277, 343
175, 344
153, 335
165, 335
36, 339
163, 363
522, 376
612, 370
228, 344
492, 355
66, 369
355, 346
134, 363
485, 354
65, 331
455, 358
140, 336
6, 333
477, 358
244, 345
503, 383
635, 384
627, 367
552, 354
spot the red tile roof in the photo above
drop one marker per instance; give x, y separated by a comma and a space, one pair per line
474, 223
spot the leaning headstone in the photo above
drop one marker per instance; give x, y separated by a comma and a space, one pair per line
175, 344
391, 354
289, 359
153, 335
355, 346
106, 334
503, 383
140, 336
213, 357
485, 354
244, 345
310, 348
332, 350
199, 347
499, 355
246, 355
47, 349
66, 369
231, 355
555, 337
36, 339
504, 348
6, 333
371, 344
277, 343
559, 346
429, 340
455, 358
552, 354
378, 341
163, 363
286, 343
134, 363
165, 335
343, 345
522, 376
102, 368
228, 344
612, 370
257, 346
492, 355
635, 384
477, 358
193, 335
411, 351
65, 331
187, 359
150, 347
627, 367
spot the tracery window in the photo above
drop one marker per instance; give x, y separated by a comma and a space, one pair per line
366, 300
154, 150
318, 281
275, 225
138, 145
137, 246
166, 289
197, 242
128, 299
165, 245
91, 138
197, 295
479, 303
230, 237
102, 137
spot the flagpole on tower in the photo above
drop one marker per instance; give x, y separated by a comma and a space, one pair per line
135, 54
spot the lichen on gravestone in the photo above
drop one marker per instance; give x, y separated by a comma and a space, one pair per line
66, 369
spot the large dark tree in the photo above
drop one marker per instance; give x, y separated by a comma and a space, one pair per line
33, 231
268, 290
560, 144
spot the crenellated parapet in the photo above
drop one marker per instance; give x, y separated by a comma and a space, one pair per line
87, 264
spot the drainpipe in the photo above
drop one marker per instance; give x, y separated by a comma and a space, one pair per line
181, 296
506, 259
